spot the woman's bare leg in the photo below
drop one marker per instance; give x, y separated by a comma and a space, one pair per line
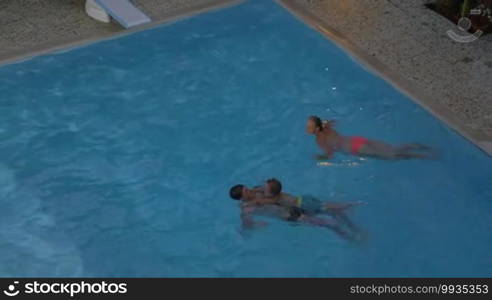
387, 151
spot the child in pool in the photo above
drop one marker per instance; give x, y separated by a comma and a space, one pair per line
272, 194
331, 141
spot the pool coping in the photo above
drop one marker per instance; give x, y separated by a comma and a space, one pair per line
70, 43
377, 68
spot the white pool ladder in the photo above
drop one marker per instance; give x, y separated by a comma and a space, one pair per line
123, 11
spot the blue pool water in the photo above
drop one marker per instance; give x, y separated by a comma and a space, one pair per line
116, 159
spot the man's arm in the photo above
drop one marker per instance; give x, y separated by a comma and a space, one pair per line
258, 189
265, 201
247, 221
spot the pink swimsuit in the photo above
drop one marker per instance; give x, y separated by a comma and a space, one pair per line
356, 142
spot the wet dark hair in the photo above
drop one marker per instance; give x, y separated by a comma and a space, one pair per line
236, 192
275, 186
317, 122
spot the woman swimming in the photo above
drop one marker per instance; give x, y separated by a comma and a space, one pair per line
331, 141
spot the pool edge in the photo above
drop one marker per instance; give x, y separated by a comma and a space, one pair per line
373, 65
68, 44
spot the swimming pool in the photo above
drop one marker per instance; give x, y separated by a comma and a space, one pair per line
117, 158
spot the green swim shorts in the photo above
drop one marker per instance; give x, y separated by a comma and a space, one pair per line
309, 204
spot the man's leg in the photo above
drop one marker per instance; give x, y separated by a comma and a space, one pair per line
342, 217
324, 222
336, 207
337, 210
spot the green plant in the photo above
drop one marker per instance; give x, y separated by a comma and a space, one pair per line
465, 8
447, 7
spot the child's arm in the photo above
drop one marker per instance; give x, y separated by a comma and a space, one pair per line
258, 189
265, 201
